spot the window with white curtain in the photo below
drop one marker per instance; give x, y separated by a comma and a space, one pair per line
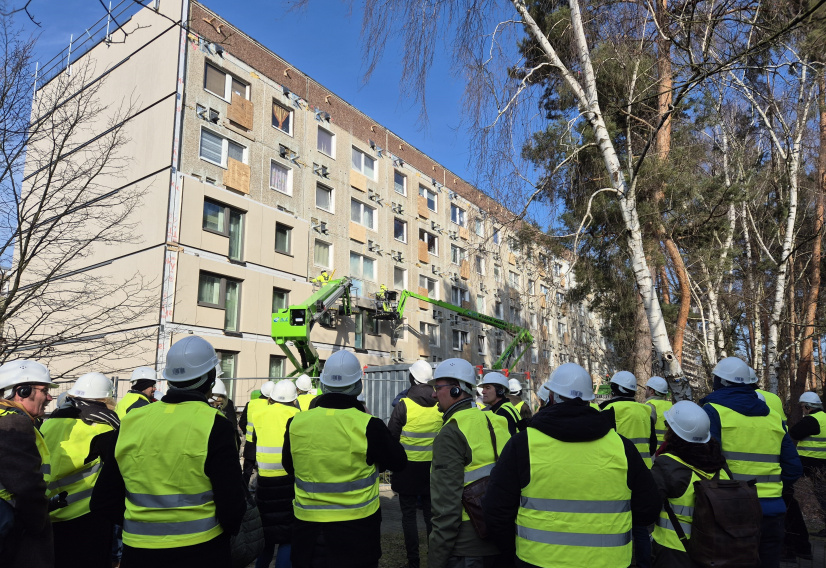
322, 253
281, 178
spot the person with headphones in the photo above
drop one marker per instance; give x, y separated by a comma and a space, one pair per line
141, 393
464, 451
495, 389
25, 531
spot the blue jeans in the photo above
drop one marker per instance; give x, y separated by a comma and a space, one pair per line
282, 559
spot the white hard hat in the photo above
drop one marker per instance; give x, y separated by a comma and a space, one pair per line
219, 387
659, 384
732, 370
752, 376
514, 385
689, 422
23, 371
421, 371
143, 373
571, 381
190, 358
92, 385
494, 378
457, 369
342, 369
304, 383
625, 379
266, 388
810, 398
544, 393
284, 391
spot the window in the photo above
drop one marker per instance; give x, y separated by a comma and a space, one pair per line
481, 344
283, 238
560, 298
430, 285
219, 82
497, 274
544, 290
458, 295
534, 355
457, 254
531, 288
496, 236
513, 245
557, 269
281, 178
371, 324
479, 227
534, 321
432, 200
362, 214
561, 329
278, 366
431, 240
326, 142
546, 356
324, 197
516, 315
399, 182
498, 312
282, 118
513, 278
364, 164
216, 291
217, 149
399, 278
362, 266
431, 332
280, 299
480, 265
500, 346
460, 339
228, 363
480, 303
321, 254
226, 221
358, 340
457, 215
399, 230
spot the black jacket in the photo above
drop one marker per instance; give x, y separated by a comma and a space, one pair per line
221, 467
345, 544
414, 479
570, 421
513, 425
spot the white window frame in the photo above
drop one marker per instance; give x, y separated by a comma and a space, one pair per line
289, 190
458, 215
435, 238
404, 224
361, 213
292, 118
332, 153
289, 251
496, 238
404, 182
424, 329
224, 148
228, 77
479, 227
424, 191
463, 339
482, 344
464, 295
404, 278
361, 276
480, 303
479, 265
428, 281
362, 155
457, 254
332, 208
329, 254
513, 278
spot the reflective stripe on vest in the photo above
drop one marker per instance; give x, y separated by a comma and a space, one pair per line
559, 516
42, 449
271, 424
660, 406
252, 407
683, 506
332, 479
634, 422
70, 441
473, 424
127, 401
508, 408
751, 445
418, 433
304, 401
161, 452
815, 446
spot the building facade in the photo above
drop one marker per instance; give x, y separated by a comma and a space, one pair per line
257, 178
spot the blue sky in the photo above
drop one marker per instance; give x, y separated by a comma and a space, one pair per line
323, 40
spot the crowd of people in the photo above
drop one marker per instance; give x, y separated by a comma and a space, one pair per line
145, 483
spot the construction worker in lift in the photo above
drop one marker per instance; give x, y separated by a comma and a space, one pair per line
494, 395
140, 393
79, 437
176, 479
25, 530
570, 486
336, 451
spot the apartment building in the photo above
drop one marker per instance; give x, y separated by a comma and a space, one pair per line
257, 178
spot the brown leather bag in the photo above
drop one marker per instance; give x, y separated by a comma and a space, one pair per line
473, 493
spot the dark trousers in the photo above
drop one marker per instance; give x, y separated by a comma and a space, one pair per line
84, 542
642, 547
409, 506
772, 530
796, 540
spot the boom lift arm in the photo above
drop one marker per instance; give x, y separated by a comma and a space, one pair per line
296, 322
521, 335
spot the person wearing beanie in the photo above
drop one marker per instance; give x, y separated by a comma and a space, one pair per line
176, 479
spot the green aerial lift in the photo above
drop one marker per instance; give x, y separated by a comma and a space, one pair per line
389, 308
294, 324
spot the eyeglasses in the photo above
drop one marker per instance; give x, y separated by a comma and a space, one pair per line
437, 387
44, 390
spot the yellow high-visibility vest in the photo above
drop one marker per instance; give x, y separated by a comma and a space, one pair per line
127, 401
270, 427
774, 403
660, 406
304, 401
815, 446
252, 407
422, 426
69, 441
161, 452
634, 422
562, 521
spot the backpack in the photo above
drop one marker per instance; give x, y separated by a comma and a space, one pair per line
725, 526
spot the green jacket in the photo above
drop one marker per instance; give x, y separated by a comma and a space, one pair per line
450, 535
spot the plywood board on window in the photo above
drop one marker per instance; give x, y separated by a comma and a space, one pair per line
358, 181
543, 303
464, 271
544, 332
237, 176
241, 111
423, 254
422, 304
511, 258
358, 233
424, 212
464, 233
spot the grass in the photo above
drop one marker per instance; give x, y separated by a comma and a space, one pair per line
394, 554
